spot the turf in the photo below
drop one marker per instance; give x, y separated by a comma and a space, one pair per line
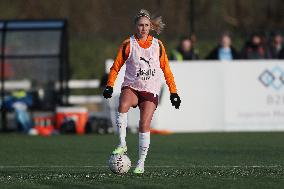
198, 160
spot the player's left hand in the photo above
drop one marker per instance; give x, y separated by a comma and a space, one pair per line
108, 92
175, 100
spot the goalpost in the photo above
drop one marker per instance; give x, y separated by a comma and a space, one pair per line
34, 59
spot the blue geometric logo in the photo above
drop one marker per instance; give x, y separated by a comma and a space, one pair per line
273, 78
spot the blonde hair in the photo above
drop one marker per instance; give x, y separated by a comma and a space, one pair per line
156, 23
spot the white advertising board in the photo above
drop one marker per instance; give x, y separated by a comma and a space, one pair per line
200, 88
254, 96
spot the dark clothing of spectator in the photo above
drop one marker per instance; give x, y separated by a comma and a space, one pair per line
281, 54
252, 51
180, 55
274, 52
215, 53
275, 45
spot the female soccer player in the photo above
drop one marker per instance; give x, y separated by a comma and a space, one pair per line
145, 57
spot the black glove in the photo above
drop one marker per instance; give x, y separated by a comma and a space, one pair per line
108, 92
175, 100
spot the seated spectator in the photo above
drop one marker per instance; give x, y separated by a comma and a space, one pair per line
19, 102
276, 46
255, 48
225, 50
184, 51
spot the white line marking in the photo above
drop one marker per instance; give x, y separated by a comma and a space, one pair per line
52, 166
150, 166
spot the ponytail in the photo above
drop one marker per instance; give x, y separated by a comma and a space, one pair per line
157, 24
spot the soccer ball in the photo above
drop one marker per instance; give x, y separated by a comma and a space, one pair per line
119, 164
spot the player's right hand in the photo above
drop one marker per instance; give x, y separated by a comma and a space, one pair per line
108, 92
175, 100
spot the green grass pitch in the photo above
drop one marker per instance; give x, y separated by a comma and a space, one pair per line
197, 160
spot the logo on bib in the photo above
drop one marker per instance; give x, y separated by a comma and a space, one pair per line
146, 74
147, 61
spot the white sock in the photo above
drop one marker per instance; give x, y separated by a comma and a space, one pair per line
121, 122
144, 143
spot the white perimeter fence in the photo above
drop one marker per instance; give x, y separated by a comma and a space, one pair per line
216, 96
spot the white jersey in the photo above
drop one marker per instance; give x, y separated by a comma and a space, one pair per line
143, 71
